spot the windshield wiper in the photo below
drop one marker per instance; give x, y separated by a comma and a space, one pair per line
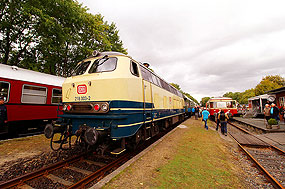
105, 58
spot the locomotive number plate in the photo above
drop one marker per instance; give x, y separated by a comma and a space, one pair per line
82, 98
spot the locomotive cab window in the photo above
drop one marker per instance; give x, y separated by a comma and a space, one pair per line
134, 69
80, 68
103, 65
34, 94
5, 90
56, 96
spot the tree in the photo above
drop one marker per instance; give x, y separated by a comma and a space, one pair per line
186, 94
269, 83
51, 36
204, 100
176, 86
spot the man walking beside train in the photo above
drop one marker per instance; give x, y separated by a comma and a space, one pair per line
223, 117
3, 113
205, 116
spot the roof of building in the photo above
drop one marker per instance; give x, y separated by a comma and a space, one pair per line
276, 91
264, 96
16, 73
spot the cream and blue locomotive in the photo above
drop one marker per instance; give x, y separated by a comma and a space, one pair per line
112, 99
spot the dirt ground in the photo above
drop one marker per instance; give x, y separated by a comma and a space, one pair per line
14, 149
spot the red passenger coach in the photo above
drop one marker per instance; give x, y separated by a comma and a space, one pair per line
31, 98
227, 104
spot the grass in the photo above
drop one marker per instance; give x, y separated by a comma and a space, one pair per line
200, 162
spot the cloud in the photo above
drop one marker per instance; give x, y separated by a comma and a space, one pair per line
207, 47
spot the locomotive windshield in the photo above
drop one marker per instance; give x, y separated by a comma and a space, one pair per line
80, 68
103, 65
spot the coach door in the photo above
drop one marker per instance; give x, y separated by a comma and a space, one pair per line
147, 94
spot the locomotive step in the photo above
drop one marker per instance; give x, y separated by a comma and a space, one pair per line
118, 151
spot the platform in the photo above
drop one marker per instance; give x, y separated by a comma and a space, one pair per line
260, 124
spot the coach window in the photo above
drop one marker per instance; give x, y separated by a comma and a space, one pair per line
134, 69
5, 90
34, 94
56, 96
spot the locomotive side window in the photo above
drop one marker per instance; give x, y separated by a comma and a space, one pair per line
103, 65
146, 75
56, 96
5, 90
34, 94
134, 69
80, 68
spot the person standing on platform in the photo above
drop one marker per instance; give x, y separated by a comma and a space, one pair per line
205, 116
217, 119
282, 111
274, 111
266, 112
193, 111
196, 112
3, 113
223, 117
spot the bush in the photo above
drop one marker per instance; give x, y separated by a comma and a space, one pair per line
272, 121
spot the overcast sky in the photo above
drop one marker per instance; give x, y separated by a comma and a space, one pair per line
208, 47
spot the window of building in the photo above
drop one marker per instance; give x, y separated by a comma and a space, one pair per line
5, 90
34, 94
56, 96
134, 69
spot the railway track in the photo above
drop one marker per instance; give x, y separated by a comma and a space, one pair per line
269, 159
75, 172
81, 171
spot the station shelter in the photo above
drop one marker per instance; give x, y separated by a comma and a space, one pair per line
280, 96
256, 104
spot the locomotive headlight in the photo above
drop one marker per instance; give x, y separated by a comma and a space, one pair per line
96, 107
68, 108
104, 107
64, 107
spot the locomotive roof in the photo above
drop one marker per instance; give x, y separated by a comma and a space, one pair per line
13, 72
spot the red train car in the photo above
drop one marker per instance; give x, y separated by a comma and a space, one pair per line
227, 104
31, 98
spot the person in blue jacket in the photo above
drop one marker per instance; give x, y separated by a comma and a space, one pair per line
205, 116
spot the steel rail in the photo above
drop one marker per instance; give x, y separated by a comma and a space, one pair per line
43, 171
101, 172
271, 179
276, 148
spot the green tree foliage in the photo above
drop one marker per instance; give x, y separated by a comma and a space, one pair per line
266, 84
176, 86
204, 100
51, 36
269, 83
186, 94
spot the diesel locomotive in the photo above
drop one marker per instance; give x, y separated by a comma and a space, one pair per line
113, 102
